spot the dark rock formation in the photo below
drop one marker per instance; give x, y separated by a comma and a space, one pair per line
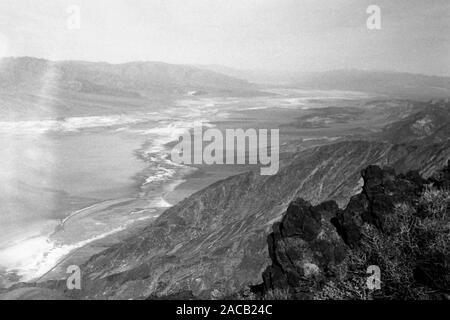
381, 191
304, 245
442, 178
308, 248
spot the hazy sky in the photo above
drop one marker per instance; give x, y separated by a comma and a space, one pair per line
300, 35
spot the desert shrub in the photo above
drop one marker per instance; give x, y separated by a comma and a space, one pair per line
277, 294
245, 294
414, 256
435, 203
353, 288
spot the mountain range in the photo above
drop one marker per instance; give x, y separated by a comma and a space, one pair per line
134, 79
128, 79
391, 84
32, 88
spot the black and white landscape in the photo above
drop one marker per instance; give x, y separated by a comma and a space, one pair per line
358, 206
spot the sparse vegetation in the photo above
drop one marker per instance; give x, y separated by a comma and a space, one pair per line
277, 294
414, 255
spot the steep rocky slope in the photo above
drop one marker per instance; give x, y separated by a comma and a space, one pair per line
213, 243
426, 126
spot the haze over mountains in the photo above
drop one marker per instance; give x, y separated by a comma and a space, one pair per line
134, 79
395, 84
128, 79
32, 88
38, 88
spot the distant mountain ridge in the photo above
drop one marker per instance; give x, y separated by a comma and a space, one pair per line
129, 79
135, 78
398, 84
404, 85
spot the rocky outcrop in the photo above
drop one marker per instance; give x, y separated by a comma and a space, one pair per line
304, 246
309, 247
442, 178
381, 191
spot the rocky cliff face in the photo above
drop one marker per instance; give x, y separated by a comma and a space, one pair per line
310, 247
